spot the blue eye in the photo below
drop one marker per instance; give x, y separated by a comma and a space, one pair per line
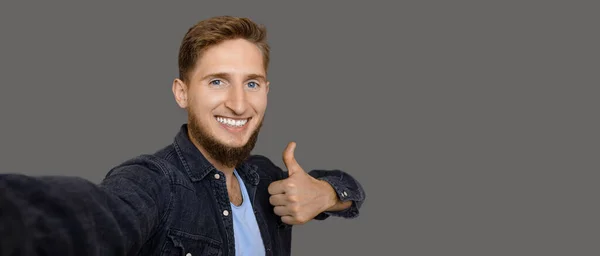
252, 85
216, 82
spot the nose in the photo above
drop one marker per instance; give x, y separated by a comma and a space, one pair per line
236, 100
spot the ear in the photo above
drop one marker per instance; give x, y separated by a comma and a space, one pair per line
180, 92
268, 87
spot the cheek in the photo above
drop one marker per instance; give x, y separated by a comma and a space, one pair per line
206, 101
259, 103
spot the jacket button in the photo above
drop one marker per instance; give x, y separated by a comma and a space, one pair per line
188, 254
217, 176
226, 213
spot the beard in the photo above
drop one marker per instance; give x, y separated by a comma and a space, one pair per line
226, 155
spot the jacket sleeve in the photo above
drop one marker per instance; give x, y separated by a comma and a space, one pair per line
61, 215
346, 187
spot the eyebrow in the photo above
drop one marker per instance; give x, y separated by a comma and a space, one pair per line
228, 76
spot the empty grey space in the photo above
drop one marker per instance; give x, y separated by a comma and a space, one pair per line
473, 126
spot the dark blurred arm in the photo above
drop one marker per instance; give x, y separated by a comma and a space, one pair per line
71, 216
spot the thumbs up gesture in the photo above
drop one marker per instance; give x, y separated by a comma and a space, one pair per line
300, 197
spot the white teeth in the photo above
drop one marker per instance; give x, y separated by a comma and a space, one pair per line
232, 122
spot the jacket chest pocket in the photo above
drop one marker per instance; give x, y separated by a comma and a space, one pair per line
181, 243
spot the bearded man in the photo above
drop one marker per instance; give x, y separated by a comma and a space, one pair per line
204, 194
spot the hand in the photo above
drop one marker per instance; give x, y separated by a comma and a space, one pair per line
300, 197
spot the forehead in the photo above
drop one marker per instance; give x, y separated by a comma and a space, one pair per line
235, 57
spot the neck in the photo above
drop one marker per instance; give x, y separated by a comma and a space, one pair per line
225, 169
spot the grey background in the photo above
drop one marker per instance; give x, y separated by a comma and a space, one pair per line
473, 126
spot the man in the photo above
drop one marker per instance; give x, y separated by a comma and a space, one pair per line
202, 195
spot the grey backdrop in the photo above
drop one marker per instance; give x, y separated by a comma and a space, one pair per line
472, 126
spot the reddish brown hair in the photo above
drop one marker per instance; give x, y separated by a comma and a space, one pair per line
215, 30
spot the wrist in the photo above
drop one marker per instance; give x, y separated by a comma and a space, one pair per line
331, 199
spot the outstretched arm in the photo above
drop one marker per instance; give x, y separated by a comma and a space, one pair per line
58, 215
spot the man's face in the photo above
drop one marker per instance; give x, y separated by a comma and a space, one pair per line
226, 99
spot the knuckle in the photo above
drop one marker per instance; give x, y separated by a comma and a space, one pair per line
290, 185
304, 218
295, 209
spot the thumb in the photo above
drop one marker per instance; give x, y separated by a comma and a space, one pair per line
289, 160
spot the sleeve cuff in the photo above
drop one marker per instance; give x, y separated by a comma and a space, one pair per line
344, 194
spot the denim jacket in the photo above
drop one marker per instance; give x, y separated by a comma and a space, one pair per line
172, 202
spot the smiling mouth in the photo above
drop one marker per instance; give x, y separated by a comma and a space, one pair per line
233, 122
